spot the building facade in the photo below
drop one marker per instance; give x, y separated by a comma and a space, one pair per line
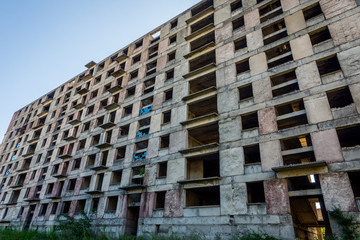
234, 115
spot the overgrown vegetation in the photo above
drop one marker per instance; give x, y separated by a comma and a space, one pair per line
69, 228
348, 225
254, 236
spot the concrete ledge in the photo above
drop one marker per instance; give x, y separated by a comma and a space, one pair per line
201, 121
200, 15
301, 169
200, 95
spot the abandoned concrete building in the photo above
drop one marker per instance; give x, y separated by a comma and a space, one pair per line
234, 115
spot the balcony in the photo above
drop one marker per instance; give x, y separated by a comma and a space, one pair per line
79, 106
107, 125
90, 64
112, 106
104, 145
87, 77
118, 73
47, 101
99, 167
94, 192
82, 91
44, 112
70, 138
33, 140
62, 174
115, 89
75, 120
121, 57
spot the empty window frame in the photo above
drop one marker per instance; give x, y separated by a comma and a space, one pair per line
164, 141
284, 83
242, 67
312, 11
162, 170
236, 5
116, 177
255, 192
138, 43
339, 98
171, 56
173, 23
245, 92
111, 204
170, 74
249, 121
136, 59
160, 200
168, 95
166, 117
238, 23
172, 39
240, 43
320, 35
328, 65
252, 154
349, 136
206, 196
134, 74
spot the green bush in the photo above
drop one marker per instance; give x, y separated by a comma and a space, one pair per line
74, 229
251, 235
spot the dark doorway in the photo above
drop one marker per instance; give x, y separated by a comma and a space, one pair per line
132, 216
310, 217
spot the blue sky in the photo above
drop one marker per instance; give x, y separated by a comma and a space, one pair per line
45, 43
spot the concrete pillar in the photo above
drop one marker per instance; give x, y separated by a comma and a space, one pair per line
254, 40
161, 63
267, 121
270, 153
233, 199
121, 206
155, 123
72, 208
262, 90
178, 141
301, 47
345, 30
308, 76
317, 108
153, 147
225, 53
222, 14
295, 22
337, 191
289, 4
177, 170
276, 196
232, 162
355, 93
252, 19
349, 60
332, 8
326, 146
173, 203
147, 204
223, 33
258, 64
226, 76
